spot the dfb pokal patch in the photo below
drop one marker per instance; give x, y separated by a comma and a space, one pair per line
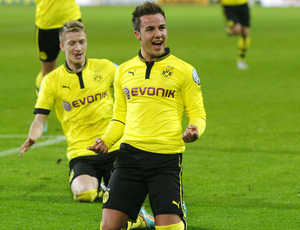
196, 77
127, 93
67, 106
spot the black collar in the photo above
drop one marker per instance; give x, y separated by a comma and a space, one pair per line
167, 53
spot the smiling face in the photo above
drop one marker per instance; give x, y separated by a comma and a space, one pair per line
74, 46
153, 36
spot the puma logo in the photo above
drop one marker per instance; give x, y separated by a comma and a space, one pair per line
132, 72
174, 202
67, 87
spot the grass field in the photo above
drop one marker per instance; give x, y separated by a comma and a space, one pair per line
244, 171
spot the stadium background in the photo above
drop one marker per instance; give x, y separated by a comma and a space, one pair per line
266, 3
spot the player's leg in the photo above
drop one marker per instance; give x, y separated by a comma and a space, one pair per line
166, 201
85, 188
233, 26
125, 193
84, 181
47, 43
244, 39
144, 221
243, 47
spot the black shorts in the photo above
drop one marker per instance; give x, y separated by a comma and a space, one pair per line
237, 14
138, 173
47, 44
95, 166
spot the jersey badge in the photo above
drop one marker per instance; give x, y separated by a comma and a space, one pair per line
67, 106
43, 56
167, 72
196, 77
127, 93
97, 76
105, 197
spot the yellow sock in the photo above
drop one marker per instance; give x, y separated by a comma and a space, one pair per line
140, 223
243, 47
179, 226
87, 197
38, 82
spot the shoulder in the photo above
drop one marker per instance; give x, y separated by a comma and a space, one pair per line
180, 63
102, 62
56, 74
128, 64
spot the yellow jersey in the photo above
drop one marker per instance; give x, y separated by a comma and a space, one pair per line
233, 2
150, 98
52, 14
83, 103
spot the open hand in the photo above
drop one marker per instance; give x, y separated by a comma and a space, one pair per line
99, 147
26, 146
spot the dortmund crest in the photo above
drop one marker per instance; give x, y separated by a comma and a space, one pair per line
168, 72
105, 197
97, 76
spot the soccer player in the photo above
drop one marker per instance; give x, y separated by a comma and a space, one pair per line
151, 92
81, 92
237, 15
49, 17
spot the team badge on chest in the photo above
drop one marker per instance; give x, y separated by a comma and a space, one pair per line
97, 76
167, 72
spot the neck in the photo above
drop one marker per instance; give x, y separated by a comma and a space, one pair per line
76, 67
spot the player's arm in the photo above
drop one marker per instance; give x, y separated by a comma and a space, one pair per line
35, 132
194, 107
116, 126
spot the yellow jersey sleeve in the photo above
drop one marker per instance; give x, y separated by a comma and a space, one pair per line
193, 100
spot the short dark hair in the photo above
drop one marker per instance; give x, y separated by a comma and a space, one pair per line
146, 8
70, 26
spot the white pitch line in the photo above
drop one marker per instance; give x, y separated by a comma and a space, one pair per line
57, 139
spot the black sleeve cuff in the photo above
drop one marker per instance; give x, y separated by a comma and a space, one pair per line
41, 111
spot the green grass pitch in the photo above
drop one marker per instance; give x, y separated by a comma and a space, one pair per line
244, 171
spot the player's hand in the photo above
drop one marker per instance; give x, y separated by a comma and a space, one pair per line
99, 147
26, 146
191, 134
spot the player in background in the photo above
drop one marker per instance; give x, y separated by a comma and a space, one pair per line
81, 92
237, 16
151, 92
49, 17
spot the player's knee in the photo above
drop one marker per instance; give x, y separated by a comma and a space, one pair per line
179, 226
87, 196
106, 226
